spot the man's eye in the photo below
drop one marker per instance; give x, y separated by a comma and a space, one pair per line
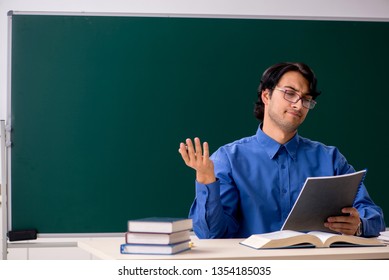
290, 92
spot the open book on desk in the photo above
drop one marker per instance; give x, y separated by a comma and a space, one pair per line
384, 237
323, 197
295, 239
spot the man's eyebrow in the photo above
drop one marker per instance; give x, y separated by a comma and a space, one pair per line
291, 88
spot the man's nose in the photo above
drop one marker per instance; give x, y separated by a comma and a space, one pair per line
298, 104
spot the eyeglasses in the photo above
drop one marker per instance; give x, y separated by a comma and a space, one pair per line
293, 97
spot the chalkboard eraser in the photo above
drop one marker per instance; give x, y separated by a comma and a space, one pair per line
19, 235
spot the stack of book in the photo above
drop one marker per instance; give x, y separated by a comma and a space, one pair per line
157, 236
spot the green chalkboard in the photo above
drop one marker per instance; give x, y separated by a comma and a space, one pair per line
99, 105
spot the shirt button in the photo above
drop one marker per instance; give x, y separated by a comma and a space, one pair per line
204, 193
282, 166
284, 191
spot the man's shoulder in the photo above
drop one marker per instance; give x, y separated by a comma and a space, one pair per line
236, 145
241, 142
316, 144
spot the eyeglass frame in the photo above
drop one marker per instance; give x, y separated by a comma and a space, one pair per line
311, 102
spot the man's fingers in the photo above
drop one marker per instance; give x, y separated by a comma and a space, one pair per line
191, 150
342, 228
339, 219
344, 224
199, 151
352, 211
184, 153
195, 154
205, 151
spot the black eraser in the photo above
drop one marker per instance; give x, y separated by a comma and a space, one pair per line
18, 235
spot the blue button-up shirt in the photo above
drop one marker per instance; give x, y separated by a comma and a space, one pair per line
258, 181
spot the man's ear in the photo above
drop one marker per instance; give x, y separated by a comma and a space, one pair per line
265, 96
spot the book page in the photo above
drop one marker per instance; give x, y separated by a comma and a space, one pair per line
282, 239
340, 240
323, 236
282, 234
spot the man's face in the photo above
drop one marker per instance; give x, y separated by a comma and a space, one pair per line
281, 113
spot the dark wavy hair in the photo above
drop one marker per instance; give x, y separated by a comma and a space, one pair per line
273, 74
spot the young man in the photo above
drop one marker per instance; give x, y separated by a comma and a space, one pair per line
249, 186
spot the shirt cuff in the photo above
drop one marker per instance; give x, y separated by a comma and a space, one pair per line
208, 192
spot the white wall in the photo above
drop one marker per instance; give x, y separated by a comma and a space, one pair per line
299, 9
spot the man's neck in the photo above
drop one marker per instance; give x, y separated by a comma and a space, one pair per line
278, 134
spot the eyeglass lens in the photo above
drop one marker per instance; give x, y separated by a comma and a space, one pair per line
294, 97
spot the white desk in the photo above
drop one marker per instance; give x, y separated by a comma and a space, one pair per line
109, 249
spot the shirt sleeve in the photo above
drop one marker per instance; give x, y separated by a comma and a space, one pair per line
371, 215
214, 208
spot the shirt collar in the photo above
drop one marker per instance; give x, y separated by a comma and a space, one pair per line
272, 147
